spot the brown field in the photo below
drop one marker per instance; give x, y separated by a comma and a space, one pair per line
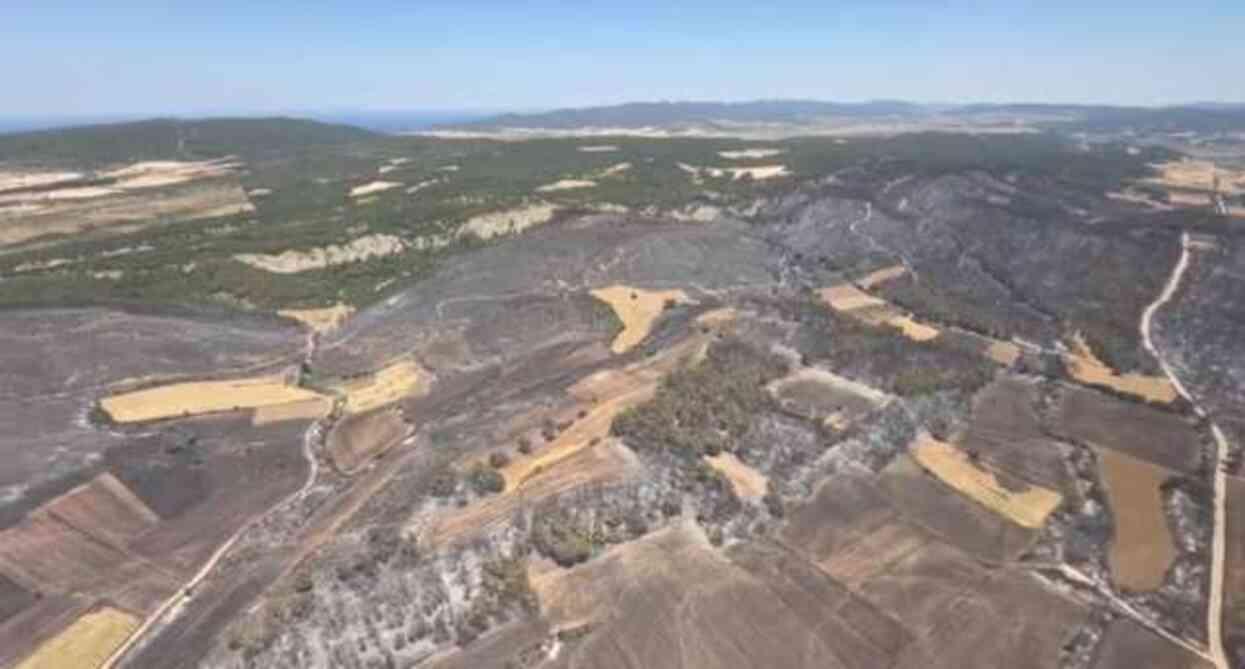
373, 187
670, 600
1006, 433
851, 300
21, 634
302, 410
958, 612
1088, 369
203, 397
637, 309
1142, 548
358, 438
1162, 438
1127, 645
1005, 353
86, 644
1027, 506
747, 481
79, 542
928, 503
404, 378
325, 319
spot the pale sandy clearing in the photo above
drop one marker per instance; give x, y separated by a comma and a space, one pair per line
373, 187
748, 482
882, 276
325, 319
259, 192
614, 170
717, 317
638, 309
1028, 508
11, 180
301, 410
1142, 548
832, 381
77, 193
448, 168
292, 261
759, 172
1085, 367
566, 184
203, 397
403, 378
422, 185
386, 169
85, 644
912, 329
510, 221
1005, 353
744, 154
604, 148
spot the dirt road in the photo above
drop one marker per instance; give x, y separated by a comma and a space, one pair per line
171, 606
1214, 607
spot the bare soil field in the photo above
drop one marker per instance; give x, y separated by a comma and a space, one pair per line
1127, 645
850, 299
359, 438
1199, 175
1005, 432
197, 398
883, 275
42, 620
638, 309
1024, 504
1142, 548
745, 154
87, 643
670, 600
305, 410
1162, 438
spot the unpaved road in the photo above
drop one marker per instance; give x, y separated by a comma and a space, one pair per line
171, 606
1214, 607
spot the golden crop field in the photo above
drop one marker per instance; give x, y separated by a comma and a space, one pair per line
1028, 507
202, 397
86, 643
390, 384
637, 309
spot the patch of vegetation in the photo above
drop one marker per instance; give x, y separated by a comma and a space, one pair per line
706, 409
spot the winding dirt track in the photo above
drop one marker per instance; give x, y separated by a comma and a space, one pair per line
168, 610
1214, 606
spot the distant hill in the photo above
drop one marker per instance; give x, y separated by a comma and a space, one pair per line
1203, 117
642, 114
168, 139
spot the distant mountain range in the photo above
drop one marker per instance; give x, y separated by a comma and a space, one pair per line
1202, 116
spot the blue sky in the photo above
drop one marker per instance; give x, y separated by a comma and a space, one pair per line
131, 56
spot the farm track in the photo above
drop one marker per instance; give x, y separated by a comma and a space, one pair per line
168, 610
1214, 605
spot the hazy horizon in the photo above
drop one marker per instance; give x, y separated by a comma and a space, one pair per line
140, 57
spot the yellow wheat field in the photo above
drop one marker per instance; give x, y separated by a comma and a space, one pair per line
85, 644
202, 397
1027, 508
637, 309
392, 383
1085, 367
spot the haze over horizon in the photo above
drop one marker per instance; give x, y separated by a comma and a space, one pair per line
140, 57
